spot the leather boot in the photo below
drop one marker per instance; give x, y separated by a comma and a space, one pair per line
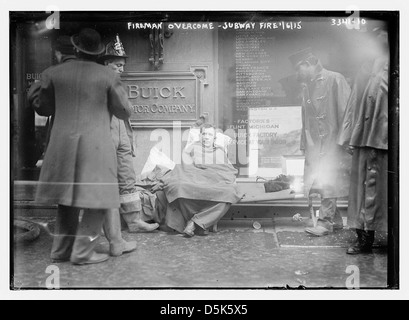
112, 230
369, 238
136, 224
363, 243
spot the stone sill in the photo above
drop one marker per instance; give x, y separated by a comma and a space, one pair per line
24, 191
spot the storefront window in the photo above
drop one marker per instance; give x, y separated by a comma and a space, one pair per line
259, 96
233, 68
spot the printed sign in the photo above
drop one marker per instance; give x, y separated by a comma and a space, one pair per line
274, 134
158, 99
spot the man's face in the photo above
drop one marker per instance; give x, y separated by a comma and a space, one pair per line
303, 72
208, 136
117, 65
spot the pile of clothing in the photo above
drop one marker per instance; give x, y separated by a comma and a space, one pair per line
282, 182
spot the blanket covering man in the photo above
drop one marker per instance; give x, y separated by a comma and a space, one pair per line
200, 191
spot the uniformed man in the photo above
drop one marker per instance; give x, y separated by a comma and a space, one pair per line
327, 165
114, 58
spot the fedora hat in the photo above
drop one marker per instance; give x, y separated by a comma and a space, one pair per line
88, 41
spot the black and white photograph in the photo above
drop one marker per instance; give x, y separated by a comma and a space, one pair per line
204, 149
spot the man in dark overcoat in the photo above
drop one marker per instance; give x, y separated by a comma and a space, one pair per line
63, 52
365, 129
327, 165
79, 168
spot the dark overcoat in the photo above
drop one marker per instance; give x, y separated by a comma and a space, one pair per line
327, 165
365, 127
80, 166
366, 118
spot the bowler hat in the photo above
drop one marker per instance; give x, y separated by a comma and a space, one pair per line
300, 56
88, 41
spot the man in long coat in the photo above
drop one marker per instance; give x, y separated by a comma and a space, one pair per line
63, 52
327, 165
365, 129
79, 168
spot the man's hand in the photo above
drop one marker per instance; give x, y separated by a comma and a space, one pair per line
158, 186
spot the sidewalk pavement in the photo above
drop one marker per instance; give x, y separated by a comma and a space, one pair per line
240, 255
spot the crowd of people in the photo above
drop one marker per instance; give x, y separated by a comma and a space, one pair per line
88, 162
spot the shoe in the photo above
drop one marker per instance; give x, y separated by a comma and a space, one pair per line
119, 249
95, 258
318, 231
330, 226
359, 249
323, 228
129, 246
142, 226
136, 224
189, 229
202, 232
363, 243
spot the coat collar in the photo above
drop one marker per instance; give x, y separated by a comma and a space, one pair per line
319, 74
68, 58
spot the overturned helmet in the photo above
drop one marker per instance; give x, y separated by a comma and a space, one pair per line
114, 49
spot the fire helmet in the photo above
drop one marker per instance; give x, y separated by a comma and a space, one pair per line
114, 49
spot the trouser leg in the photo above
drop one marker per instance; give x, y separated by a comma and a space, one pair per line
65, 231
112, 226
131, 206
126, 171
329, 211
208, 215
368, 203
357, 190
211, 215
161, 206
87, 235
112, 230
376, 191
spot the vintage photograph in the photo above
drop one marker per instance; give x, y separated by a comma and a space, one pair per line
204, 149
